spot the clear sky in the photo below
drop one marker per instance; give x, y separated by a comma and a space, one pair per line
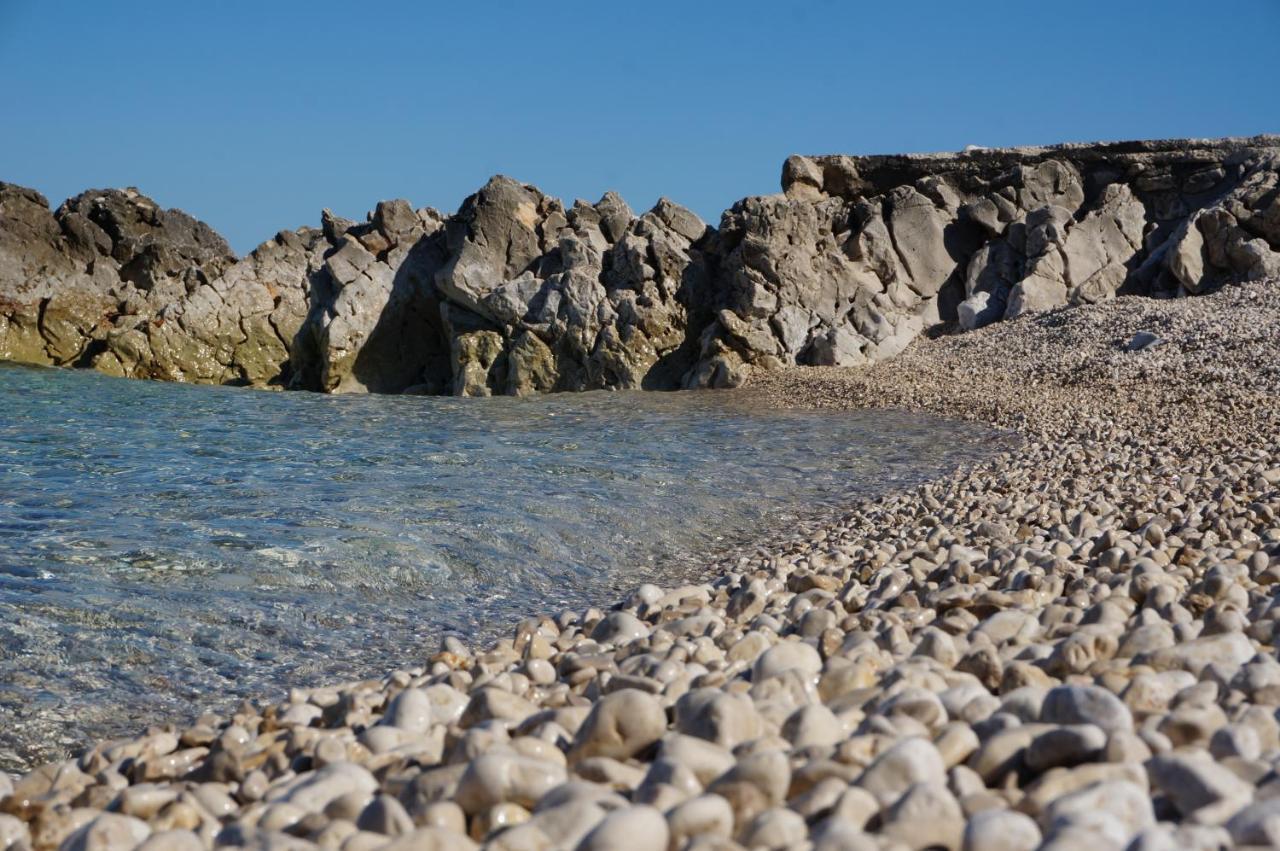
255, 115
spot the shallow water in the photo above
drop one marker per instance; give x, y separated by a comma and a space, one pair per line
167, 548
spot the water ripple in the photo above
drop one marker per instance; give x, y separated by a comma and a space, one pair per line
165, 547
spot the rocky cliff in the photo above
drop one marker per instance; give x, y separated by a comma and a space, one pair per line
515, 293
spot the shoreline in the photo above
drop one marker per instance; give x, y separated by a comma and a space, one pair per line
1070, 642
55, 719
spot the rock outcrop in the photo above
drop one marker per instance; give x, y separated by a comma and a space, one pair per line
114, 282
517, 294
862, 254
513, 294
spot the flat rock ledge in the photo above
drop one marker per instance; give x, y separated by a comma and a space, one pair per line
1072, 646
517, 293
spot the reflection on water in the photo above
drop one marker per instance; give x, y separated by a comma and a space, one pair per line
166, 547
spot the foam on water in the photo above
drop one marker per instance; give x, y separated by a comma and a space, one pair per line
166, 548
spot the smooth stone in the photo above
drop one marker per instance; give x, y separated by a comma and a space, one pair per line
1257, 824
387, 816
281, 816
1229, 650
444, 814
787, 656
1024, 703
1125, 802
956, 742
447, 703
705, 815
214, 798
631, 829
913, 760
833, 835
1001, 830
496, 819
144, 800
495, 778
107, 832
705, 759
1002, 752
12, 828
172, 840
1143, 340
1153, 692
1057, 782
314, 790
673, 777
609, 772
918, 704
724, 718
768, 772
1065, 746
1126, 747
820, 799
1235, 740
568, 822
495, 704
926, 816
620, 628
775, 828
621, 724
1199, 787
361, 840
540, 671
431, 839
1184, 837
520, 837
1092, 831
1072, 704
855, 807
812, 726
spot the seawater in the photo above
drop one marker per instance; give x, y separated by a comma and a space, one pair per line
166, 549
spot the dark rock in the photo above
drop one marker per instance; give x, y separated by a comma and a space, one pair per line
1143, 340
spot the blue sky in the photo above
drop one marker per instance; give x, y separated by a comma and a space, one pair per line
255, 115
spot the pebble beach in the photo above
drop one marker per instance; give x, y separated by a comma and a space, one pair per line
1069, 646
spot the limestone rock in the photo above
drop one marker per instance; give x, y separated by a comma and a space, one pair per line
515, 294
1001, 830
621, 724
910, 761
1199, 787
1086, 705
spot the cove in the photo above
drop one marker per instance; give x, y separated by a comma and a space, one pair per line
167, 548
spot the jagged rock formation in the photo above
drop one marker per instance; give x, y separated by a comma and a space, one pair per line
514, 294
517, 294
861, 254
114, 282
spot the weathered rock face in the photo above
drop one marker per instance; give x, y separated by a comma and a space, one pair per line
112, 281
512, 295
517, 294
862, 254
372, 317
538, 298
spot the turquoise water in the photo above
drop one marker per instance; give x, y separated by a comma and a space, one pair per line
168, 548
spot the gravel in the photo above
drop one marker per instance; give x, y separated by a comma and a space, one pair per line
1069, 646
